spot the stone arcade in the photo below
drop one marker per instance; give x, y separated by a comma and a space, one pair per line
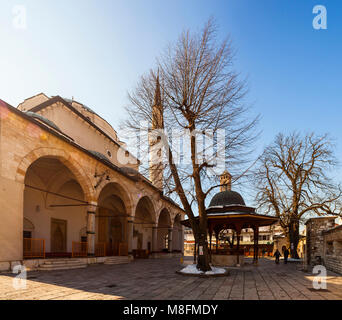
64, 194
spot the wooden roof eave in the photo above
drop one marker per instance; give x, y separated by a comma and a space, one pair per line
260, 220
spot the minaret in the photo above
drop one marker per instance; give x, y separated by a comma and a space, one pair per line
156, 165
225, 181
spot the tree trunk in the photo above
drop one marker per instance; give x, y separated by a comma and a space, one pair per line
203, 253
294, 237
203, 250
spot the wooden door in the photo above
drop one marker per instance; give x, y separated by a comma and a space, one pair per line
58, 235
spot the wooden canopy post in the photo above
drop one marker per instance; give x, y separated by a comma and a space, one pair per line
195, 251
238, 233
256, 244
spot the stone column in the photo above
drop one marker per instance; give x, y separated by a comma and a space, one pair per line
130, 236
154, 239
91, 212
170, 239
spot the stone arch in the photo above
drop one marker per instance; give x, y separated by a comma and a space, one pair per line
55, 202
165, 210
66, 159
113, 213
148, 204
123, 194
144, 220
163, 233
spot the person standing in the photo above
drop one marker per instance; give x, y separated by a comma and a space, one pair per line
286, 255
277, 255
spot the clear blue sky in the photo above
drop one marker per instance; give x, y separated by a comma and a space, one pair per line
96, 51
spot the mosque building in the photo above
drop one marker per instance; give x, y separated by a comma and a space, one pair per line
67, 200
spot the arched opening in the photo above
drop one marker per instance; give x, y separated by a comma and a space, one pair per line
177, 235
163, 234
111, 222
142, 228
55, 206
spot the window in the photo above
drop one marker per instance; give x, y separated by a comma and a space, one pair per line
27, 234
109, 154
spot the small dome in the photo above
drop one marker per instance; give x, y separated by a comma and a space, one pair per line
99, 155
226, 198
129, 171
42, 119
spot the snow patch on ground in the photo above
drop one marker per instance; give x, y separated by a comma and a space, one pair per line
192, 269
294, 260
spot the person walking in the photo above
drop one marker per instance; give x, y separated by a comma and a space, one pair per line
286, 255
277, 255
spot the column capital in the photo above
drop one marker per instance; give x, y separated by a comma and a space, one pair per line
92, 206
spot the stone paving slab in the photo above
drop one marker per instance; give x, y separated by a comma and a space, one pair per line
156, 279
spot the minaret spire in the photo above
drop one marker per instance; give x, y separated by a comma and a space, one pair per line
157, 108
156, 165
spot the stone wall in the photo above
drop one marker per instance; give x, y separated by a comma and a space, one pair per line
333, 249
324, 243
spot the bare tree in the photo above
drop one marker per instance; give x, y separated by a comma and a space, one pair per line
200, 95
292, 181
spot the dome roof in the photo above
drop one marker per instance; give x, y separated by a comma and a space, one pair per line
226, 198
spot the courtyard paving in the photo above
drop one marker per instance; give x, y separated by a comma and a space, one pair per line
156, 279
